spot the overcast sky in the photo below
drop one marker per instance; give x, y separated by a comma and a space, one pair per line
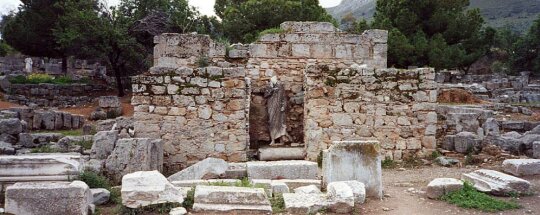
206, 7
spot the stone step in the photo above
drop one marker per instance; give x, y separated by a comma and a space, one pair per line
496, 183
281, 153
291, 169
193, 183
201, 208
522, 167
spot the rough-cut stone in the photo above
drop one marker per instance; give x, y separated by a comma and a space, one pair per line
131, 155
282, 170
358, 189
310, 189
496, 183
205, 169
103, 145
341, 193
193, 183
522, 167
279, 187
100, 195
273, 154
6, 148
33, 198
230, 200
491, 127
441, 186
465, 142
354, 161
236, 170
10, 126
145, 188
109, 102
536, 149
40, 167
295, 183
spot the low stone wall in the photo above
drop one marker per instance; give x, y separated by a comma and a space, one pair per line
198, 112
396, 107
52, 95
48, 120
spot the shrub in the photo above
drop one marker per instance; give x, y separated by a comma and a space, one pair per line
95, 180
45, 149
469, 197
37, 78
278, 204
189, 199
203, 61
388, 163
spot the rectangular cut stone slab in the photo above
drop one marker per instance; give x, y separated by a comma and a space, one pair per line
496, 183
273, 154
282, 170
49, 198
300, 203
354, 161
134, 154
441, 186
145, 188
40, 167
236, 170
205, 169
230, 200
522, 167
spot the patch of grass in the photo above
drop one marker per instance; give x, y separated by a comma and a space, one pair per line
163, 208
76, 132
468, 197
85, 144
388, 163
189, 199
278, 204
45, 149
116, 195
95, 180
434, 155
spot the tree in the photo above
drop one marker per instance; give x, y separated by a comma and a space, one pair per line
442, 34
526, 54
243, 21
30, 29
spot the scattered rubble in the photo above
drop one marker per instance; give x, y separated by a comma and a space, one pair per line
496, 183
441, 186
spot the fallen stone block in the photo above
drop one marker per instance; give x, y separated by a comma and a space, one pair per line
40, 167
358, 189
275, 154
279, 187
100, 195
282, 170
266, 184
132, 155
496, 183
343, 195
310, 189
465, 142
236, 170
300, 203
522, 167
104, 142
354, 161
178, 211
39, 198
206, 169
441, 186
145, 188
230, 200
11, 126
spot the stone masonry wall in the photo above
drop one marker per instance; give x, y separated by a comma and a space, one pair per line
396, 107
52, 95
286, 55
199, 112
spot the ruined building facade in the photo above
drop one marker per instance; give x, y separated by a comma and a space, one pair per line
206, 100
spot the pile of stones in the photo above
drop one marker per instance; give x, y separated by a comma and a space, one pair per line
109, 107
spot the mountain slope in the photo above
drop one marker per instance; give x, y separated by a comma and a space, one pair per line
516, 14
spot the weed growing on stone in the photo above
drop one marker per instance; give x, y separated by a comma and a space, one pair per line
189, 199
388, 163
95, 180
85, 144
320, 159
435, 155
278, 204
203, 61
469, 197
157, 208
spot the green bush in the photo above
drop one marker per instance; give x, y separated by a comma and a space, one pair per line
85, 144
388, 163
189, 199
95, 180
469, 197
271, 31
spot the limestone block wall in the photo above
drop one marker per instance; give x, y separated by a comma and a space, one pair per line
396, 107
52, 95
198, 112
174, 50
286, 55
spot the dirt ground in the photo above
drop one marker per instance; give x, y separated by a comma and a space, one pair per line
400, 201
458, 96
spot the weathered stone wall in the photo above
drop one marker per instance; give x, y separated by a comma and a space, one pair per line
286, 55
84, 68
52, 95
198, 112
396, 107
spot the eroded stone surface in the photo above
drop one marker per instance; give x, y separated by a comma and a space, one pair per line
145, 188
310, 189
206, 169
237, 200
131, 155
282, 170
441, 186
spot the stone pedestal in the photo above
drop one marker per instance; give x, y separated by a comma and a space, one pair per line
354, 161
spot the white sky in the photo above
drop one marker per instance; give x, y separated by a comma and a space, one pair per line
206, 7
